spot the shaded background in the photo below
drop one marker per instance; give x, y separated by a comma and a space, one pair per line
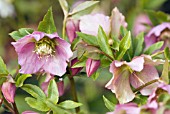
15, 14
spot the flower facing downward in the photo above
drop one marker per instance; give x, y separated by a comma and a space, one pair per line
136, 73
41, 52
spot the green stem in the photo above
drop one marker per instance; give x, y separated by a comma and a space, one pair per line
157, 53
64, 28
146, 84
74, 94
9, 107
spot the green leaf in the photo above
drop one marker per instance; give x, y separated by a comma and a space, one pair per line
125, 44
53, 95
21, 79
47, 25
34, 90
167, 53
108, 104
115, 44
80, 63
138, 44
151, 4
64, 6
140, 100
123, 31
37, 104
68, 104
103, 42
3, 69
56, 109
83, 6
165, 75
90, 39
95, 75
154, 47
92, 52
16, 35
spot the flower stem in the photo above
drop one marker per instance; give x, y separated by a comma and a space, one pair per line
157, 53
64, 28
146, 84
15, 108
9, 107
74, 94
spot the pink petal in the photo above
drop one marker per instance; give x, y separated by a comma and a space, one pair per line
117, 20
150, 40
75, 71
92, 66
148, 74
89, 24
8, 90
60, 86
120, 84
29, 112
29, 61
130, 108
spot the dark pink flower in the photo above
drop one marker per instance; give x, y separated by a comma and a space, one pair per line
29, 112
72, 26
75, 71
158, 33
136, 73
92, 66
8, 89
139, 24
41, 52
130, 108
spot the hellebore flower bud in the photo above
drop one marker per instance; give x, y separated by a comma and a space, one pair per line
92, 66
75, 71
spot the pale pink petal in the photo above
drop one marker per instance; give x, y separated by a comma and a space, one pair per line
92, 66
8, 90
148, 74
120, 84
30, 112
130, 108
117, 20
29, 61
38, 35
89, 24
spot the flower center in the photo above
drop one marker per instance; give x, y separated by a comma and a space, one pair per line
45, 47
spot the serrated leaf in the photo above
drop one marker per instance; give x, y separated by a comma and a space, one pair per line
108, 104
16, 35
47, 24
56, 109
90, 39
165, 75
124, 45
21, 79
34, 90
37, 104
103, 42
167, 53
3, 69
68, 104
64, 6
154, 47
83, 6
138, 44
53, 95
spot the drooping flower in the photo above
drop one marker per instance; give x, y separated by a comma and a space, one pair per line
8, 89
139, 24
136, 73
72, 26
158, 33
41, 52
92, 66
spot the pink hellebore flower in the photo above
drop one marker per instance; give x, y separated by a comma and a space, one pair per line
130, 108
92, 66
75, 71
139, 24
8, 89
137, 72
158, 33
72, 26
29, 112
39, 52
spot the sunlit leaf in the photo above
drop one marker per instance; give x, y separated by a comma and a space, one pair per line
108, 104
68, 104
21, 79
154, 47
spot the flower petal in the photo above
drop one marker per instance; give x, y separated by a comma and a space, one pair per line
8, 90
89, 24
29, 112
92, 66
148, 74
75, 71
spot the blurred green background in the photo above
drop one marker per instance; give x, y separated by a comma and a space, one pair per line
15, 14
